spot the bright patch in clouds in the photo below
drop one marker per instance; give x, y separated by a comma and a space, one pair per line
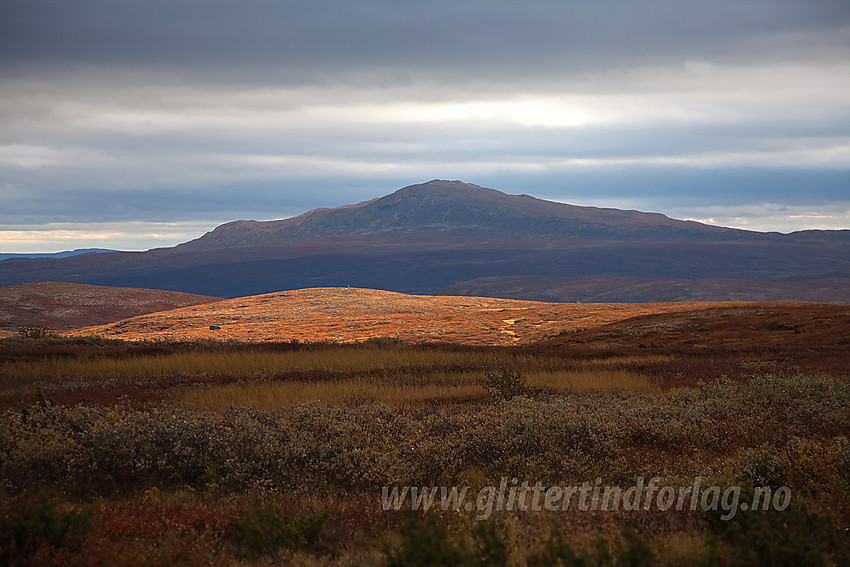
782, 218
141, 115
56, 237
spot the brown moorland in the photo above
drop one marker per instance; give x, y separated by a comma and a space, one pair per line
64, 306
355, 314
772, 324
736, 340
222, 452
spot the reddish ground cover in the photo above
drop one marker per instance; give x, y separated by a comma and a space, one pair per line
354, 314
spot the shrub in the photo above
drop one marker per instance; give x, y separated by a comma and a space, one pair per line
428, 542
36, 332
504, 384
799, 535
630, 551
760, 466
30, 522
266, 530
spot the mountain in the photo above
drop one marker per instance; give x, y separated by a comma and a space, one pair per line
447, 236
453, 206
63, 306
65, 254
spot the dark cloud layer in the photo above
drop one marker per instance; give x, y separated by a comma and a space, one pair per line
329, 37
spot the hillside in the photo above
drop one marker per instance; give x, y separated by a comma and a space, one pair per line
64, 306
629, 289
445, 237
789, 324
354, 314
743, 339
738, 337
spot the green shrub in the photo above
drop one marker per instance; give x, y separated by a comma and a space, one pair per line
265, 529
630, 551
800, 535
428, 542
552, 438
760, 466
30, 522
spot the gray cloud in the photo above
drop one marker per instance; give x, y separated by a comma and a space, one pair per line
317, 38
199, 110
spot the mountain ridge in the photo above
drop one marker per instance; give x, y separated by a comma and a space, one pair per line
63, 254
446, 206
427, 238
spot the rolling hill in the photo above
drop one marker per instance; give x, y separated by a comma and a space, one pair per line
355, 314
448, 236
731, 338
65, 306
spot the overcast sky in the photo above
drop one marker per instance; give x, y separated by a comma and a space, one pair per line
134, 125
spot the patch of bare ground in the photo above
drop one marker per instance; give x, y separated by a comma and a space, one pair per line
354, 314
65, 306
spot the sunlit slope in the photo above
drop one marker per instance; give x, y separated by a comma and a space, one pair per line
356, 314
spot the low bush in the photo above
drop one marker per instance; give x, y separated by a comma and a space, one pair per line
630, 550
265, 530
36, 332
799, 535
504, 383
429, 542
552, 438
38, 524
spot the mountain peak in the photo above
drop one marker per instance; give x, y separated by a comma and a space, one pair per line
441, 206
442, 186
444, 189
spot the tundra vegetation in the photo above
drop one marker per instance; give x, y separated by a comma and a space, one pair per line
211, 453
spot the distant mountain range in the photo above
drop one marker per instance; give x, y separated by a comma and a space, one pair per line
454, 237
65, 254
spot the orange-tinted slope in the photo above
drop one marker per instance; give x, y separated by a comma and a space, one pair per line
354, 314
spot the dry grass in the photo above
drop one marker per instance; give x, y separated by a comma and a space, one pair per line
625, 360
250, 363
592, 381
237, 362
401, 390
268, 378
278, 395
